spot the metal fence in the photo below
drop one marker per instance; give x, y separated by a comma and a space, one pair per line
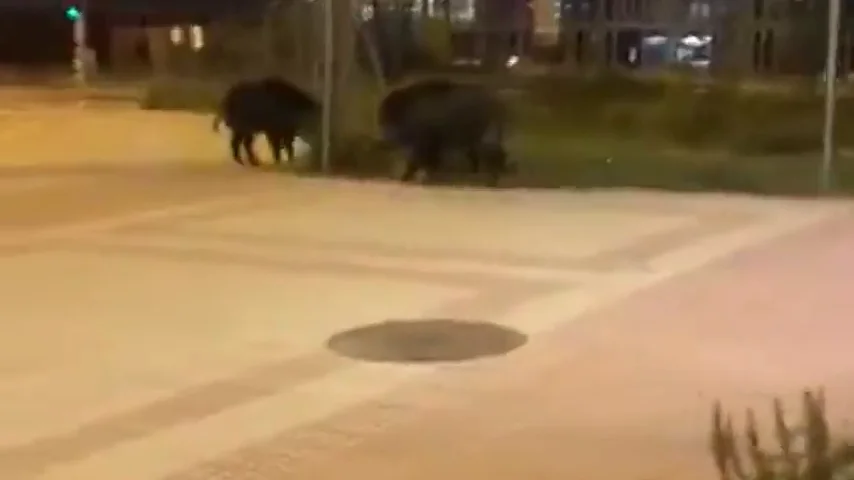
309, 42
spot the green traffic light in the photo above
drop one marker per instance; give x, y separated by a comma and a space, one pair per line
73, 13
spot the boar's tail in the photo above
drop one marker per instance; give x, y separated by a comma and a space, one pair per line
217, 121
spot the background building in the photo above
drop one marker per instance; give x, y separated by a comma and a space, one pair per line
764, 37
635, 33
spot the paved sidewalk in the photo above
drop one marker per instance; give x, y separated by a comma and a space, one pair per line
173, 324
621, 392
70, 135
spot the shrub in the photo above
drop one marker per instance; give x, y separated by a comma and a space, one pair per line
691, 116
681, 112
625, 118
845, 121
766, 124
583, 98
804, 452
787, 137
589, 162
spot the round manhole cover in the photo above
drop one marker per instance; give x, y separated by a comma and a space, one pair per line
422, 341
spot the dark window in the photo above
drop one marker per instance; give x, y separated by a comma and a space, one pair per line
580, 46
609, 48
700, 10
758, 9
768, 50
800, 6
629, 9
775, 10
637, 9
757, 51
591, 9
583, 10
851, 58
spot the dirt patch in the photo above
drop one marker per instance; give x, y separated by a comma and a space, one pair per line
426, 341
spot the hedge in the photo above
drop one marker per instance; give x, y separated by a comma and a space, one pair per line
618, 131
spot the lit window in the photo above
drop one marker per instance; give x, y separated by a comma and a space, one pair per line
462, 11
176, 35
197, 37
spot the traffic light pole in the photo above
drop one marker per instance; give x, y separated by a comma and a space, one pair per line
80, 62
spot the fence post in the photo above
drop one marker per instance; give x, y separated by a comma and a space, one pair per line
830, 74
328, 84
370, 45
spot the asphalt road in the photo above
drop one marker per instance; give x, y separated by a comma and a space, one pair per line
166, 316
